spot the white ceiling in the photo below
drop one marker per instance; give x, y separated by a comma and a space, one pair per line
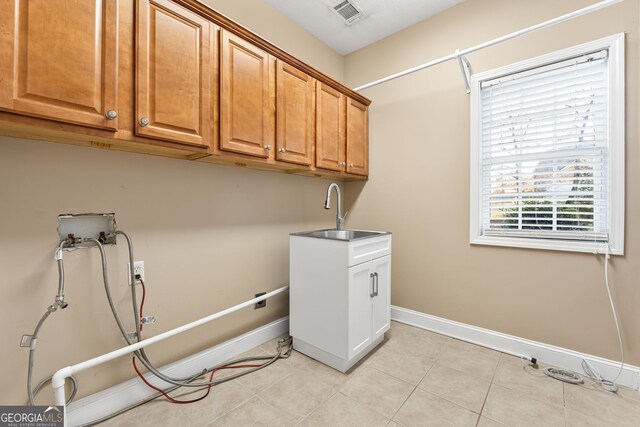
381, 19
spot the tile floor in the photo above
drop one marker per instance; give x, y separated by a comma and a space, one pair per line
415, 378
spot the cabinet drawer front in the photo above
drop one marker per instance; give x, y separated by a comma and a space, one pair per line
59, 60
368, 249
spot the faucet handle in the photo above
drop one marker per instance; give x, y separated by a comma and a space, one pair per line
340, 221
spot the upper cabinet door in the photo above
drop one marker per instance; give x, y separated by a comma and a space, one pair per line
357, 138
175, 62
330, 128
246, 122
58, 60
295, 115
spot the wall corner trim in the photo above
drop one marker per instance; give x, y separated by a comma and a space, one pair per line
120, 396
549, 354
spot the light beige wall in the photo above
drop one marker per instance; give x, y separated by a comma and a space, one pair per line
419, 186
211, 236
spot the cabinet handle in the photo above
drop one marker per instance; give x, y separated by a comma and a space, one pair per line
267, 147
143, 121
375, 281
111, 114
373, 285
342, 164
350, 165
282, 150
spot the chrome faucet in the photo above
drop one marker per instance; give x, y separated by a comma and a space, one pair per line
327, 205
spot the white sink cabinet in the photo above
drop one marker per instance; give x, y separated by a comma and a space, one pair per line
340, 297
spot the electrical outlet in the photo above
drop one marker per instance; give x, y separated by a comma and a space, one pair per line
138, 269
260, 304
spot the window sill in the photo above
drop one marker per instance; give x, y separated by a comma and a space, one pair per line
551, 245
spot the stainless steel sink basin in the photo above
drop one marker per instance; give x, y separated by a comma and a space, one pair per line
346, 235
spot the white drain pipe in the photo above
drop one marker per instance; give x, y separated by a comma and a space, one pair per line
60, 376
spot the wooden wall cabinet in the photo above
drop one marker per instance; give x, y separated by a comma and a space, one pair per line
172, 78
58, 60
295, 130
342, 139
357, 138
176, 55
246, 122
330, 128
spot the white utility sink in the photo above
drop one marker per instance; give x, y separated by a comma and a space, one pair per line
347, 235
339, 295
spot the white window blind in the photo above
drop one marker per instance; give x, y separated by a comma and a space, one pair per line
544, 136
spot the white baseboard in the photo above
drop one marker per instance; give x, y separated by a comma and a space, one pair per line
545, 353
118, 397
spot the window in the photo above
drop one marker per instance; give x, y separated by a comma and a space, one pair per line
547, 151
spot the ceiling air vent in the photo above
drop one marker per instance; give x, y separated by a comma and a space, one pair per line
349, 11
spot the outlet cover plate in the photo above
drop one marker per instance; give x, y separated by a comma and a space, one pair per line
138, 268
260, 304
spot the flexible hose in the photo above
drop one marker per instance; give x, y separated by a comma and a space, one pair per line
59, 303
136, 316
32, 351
177, 383
277, 356
105, 281
132, 276
60, 296
140, 354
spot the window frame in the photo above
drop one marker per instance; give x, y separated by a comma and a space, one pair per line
616, 162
